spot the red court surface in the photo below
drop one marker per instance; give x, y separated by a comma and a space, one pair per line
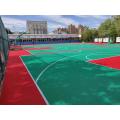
97, 43
18, 87
112, 62
42, 48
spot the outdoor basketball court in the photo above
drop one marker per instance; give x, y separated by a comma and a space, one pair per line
72, 73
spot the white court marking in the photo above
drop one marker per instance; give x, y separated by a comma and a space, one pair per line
94, 54
50, 65
40, 91
100, 59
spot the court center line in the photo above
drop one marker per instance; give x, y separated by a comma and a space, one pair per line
50, 65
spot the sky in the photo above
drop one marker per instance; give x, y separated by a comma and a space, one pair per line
17, 23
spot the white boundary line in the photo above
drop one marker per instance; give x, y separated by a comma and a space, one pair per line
103, 65
95, 59
41, 73
50, 65
26, 51
99, 58
41, 93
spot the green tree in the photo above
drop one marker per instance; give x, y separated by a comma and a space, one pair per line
89, 34
116, 20
103, 29
108, 29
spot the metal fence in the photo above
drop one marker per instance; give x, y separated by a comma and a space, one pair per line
4, 48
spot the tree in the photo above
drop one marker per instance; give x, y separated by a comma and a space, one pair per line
103, 29
94, 33
116, 20
108, 29
89, 34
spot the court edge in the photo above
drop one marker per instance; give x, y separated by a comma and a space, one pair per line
40, 91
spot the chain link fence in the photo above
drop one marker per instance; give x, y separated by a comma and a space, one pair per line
4, 48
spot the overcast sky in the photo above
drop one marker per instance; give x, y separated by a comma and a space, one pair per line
18, 22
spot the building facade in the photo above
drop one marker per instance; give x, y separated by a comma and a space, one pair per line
81, 29
39, 36
70, 29
26, 39
37, 27
60, 31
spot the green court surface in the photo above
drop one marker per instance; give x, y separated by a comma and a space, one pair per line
65, 76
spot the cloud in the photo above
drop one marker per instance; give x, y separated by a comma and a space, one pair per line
97, 17
101, 17
53, 26
18, 23
92, 21
14, 24
54, 21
